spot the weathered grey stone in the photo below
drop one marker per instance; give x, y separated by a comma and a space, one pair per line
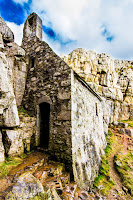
14, 50
18, 65
63, 95
27, 186
6, 31
88, 138
120, 124
16, 147
65, 83
33, 27
49, 71
2, 151
64, 115
8, 108
113, 79
1, 42
129, 132
118, 163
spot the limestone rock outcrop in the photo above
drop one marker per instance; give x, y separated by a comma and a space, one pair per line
5, 31
16, 56
112, 79
8, 109
12, 85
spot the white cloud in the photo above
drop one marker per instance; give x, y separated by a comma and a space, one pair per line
82, 21
21, 1
17, 30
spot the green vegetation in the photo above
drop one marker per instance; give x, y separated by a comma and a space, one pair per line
10, 163
28, 153
103, 181
23, 155
124, 166
22, 110
41, 196
129, 122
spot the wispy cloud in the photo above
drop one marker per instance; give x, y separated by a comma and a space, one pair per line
21, 1
99, 25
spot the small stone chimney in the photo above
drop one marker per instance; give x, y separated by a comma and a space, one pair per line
32, 27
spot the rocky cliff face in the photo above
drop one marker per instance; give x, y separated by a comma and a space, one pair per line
12, 85
112, 79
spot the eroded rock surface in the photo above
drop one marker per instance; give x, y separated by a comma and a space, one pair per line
8, 109
112, 79
27, 186
2, 151
6, 32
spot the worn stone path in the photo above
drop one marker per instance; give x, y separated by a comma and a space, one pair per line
122, 146
51, 175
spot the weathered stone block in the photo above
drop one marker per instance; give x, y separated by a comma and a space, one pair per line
63, 95
64, 115
16, 146
27, 186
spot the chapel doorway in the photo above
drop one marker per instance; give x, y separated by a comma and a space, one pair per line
44, 124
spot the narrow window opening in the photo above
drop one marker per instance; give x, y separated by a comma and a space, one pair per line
44, 124
31, 21
32, 62
96, 110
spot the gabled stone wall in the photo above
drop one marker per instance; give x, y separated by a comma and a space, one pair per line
49, 80
88, 138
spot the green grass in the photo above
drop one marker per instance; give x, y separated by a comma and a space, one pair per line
30, 152
22, 110
125, 169
6, 166
104, 178
40, 196
130, 122
23, 155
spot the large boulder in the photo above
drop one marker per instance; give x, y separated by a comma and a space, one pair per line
27, 186
14, 142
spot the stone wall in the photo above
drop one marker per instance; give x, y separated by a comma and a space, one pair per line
33, 26
88, 138
49, 80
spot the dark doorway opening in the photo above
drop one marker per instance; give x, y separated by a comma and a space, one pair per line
44, 124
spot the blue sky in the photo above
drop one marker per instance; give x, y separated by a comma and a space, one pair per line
104, 26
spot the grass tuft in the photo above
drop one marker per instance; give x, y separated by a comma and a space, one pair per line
103, 180
6, 166
124, 166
